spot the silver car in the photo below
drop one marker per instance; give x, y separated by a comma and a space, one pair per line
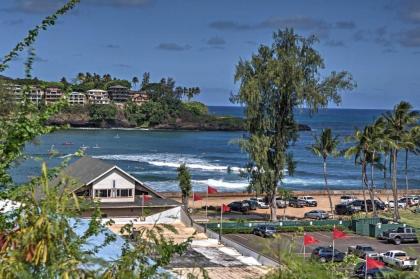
317, 214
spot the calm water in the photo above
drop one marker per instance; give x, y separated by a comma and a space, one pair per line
153, 156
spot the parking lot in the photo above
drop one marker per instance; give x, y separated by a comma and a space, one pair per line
273, 247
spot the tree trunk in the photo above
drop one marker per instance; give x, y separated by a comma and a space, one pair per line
372, 186
385, 178
185, 201
273, 205
364, 185
327, 187
396, 216
406, 178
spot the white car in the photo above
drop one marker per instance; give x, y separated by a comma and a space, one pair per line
414, 199
400, 259
400, 204
347, 199
310, 201
260, 202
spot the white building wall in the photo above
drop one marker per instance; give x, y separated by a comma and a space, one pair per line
121, 182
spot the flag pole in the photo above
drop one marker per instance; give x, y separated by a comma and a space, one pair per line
193, 199
333, 246
142, 208
221, 221
366, 266
304, 247
207, 197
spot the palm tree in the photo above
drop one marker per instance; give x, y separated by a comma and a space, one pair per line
326, 145
135, 81
398, 122
409, 141
81, 77
363, 151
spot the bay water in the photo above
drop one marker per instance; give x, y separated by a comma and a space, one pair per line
153, 156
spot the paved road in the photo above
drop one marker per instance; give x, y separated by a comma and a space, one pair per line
272, 247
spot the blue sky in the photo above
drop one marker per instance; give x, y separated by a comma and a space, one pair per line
199, 42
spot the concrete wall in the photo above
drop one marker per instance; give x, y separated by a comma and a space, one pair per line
169, 216
121, 182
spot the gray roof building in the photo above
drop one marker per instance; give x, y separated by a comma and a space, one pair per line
119, 193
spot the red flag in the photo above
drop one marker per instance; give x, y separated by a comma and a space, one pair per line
147, 198
309, 240
225, 208
211, 190
197, 197
337, 234
373, 264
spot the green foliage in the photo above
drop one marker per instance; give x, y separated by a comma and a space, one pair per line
148, 114
99, 113
274, 82
184, 178
87, 81
40, 241
196, 108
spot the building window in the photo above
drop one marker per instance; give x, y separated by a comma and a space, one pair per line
103, 193
113, 193
124, 192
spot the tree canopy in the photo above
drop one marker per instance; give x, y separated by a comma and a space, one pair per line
276, 80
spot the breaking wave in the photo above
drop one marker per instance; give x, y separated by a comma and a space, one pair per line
171, 161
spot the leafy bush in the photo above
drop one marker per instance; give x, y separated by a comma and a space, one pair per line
100, 113
196, 108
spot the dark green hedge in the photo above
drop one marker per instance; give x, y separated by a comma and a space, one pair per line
285, 229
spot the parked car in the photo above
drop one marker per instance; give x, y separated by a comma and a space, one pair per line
310, 201
344, 209
399, 235
399, 259
317, 214
252, 204
296, 202
324, 254
363, 250
347, 199
406, 201
358, 205
379, 205
260, 202
264, 230
239, 206
374, 273
399, 204
281, 203
415, 199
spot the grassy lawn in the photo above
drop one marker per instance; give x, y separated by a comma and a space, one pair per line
407, 217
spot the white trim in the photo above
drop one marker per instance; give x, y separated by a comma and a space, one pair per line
129, 175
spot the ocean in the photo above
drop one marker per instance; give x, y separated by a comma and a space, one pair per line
153, 156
